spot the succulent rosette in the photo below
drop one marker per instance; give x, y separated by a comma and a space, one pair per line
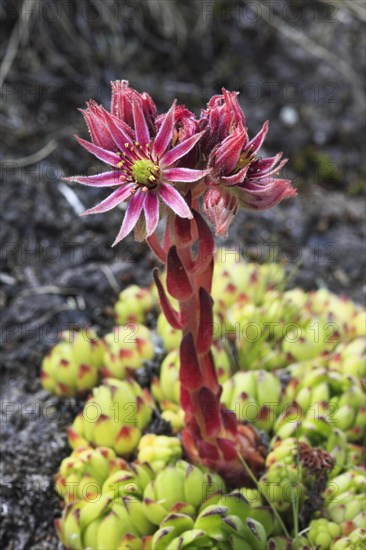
102, 523
72, 365
114, 416
126, 349
318, 400
133, 305
83, 473
159, 450
343, 515
128, 481
322, 533
255, 397
179, 488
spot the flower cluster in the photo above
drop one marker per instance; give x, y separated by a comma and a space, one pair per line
166, 163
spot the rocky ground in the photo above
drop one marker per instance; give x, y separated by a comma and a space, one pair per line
58, 270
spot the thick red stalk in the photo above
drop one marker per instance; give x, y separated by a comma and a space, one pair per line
212, 435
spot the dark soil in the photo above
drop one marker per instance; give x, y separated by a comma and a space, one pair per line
58, 270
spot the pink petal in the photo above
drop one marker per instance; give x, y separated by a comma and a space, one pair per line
184, 174
234, 179
151, 209
180, 150
266, 174
228, 153
94, 118
131, 216
174, 200
102, 154
165, 134
264, 197
256, 143
141, 129
106, 179
110, 202
119, 131
263, 166
121, 103
231, 99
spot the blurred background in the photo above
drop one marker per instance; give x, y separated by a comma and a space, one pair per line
299, 64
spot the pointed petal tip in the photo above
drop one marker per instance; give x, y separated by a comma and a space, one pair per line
115, 242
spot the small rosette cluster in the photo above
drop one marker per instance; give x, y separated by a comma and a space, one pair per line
180, 506
133, 305
114, 416
255, 396
71, 367
127, 348
341, 521
305, 390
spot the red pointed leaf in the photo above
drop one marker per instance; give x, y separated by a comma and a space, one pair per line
205, 240
210, 374
207, 450
186, 401
190, 373
210, 410
156, 248
171, 315
228, 448
177, 280
183, 231
230, 421
205, 331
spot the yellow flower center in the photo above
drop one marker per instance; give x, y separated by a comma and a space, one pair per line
244, 159
145, 171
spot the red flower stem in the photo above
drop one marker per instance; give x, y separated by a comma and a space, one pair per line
212, 435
